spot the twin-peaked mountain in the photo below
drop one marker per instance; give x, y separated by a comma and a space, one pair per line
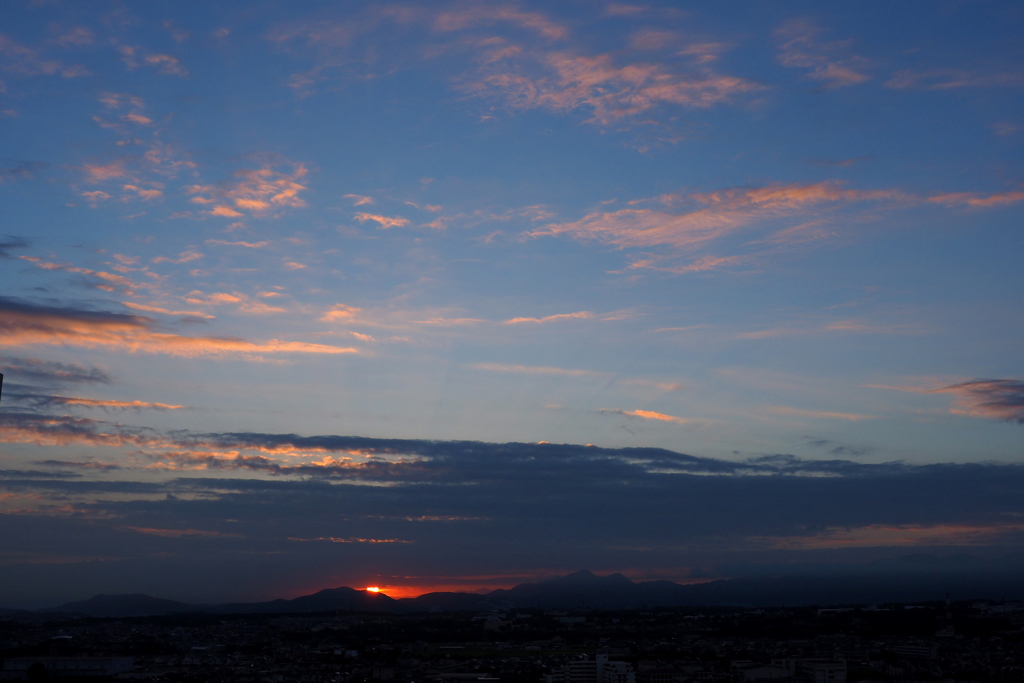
584, 590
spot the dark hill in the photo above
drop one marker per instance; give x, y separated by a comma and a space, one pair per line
134, 605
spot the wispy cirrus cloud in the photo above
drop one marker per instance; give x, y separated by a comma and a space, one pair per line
1000, 399
646, 415
689, 222
135, 57
182, 533
23, 324
800, 47
183, 257
611, 92
579, 315
533, 369
383, 222
45, 400
49, 372
977, 199
359, 200
950, 79
152, 308
96, 279
477, 15
817, 414
902, 535
248, 245
22, 60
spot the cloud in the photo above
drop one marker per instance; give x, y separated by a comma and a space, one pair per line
579, 315
382, 221
646, 415
532, 369
181, 533
61, 430
52, 372
695, 221
801, 412
1001, 399
977, 200
19, 170
183, 257
244, 303
563, 82
949, 79
249, 245
135, 57
490, 14
257, 191
9, 243
21, 60
44, 400
359, 200
350, 539
623, 507
906, 535
96, 279
800, 47
77, 36
95, 173
340, 313
166, 311
24, 323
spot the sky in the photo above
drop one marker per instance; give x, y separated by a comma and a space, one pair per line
457, 295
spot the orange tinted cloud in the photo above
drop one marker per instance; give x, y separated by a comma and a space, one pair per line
102, 280
359, 200
256, 191
647, 415
143, 193
1000, 399
585, 315
250, 245
96, 173
183, 257
977, 200
564, 82
165, 311
710, 216
382, 221
340, 313
23, 324
101, 403
532, 369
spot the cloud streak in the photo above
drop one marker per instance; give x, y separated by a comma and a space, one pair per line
24, 324
1000, 399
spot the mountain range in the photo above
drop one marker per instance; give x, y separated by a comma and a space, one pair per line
585, 590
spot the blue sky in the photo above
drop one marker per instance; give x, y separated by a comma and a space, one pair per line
784, 240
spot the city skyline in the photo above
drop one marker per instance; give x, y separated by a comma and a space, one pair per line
460, 295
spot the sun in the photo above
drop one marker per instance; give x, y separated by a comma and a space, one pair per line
372, 589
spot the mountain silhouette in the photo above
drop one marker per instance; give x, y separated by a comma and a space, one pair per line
585, 590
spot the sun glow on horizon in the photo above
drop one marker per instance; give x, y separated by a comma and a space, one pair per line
372, 589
